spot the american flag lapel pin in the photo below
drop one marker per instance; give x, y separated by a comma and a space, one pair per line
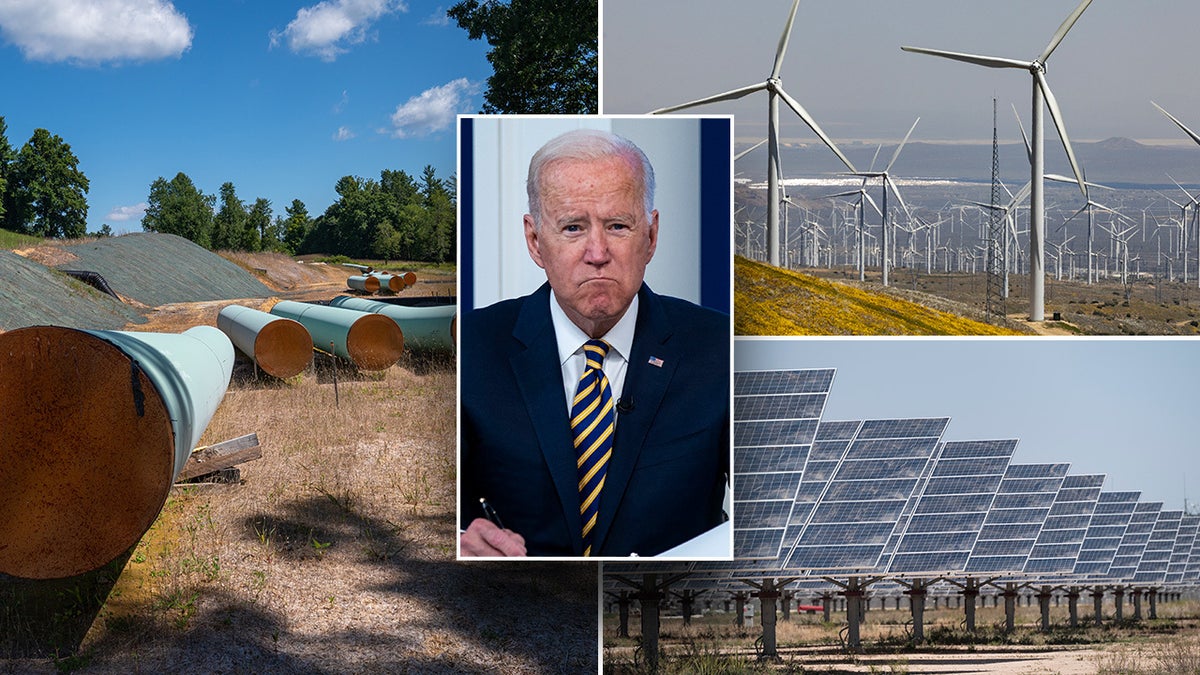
656, 362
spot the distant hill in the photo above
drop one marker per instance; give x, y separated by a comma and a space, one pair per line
773, 301
1120, 162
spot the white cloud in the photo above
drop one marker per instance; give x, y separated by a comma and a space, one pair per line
433, 110
95, 31
343, 134
325, 28
121, 214
437, 18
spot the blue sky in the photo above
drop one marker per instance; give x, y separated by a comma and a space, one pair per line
1122, 407
281, 98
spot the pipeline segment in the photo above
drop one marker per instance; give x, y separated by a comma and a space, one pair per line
281, 347
429, 328
370, 341
390, 282
366, 283
96, 426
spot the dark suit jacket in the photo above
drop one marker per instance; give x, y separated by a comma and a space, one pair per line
666, 478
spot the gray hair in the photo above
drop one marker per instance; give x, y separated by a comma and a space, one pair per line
586, 145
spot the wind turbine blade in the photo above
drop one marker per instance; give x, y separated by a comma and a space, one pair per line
1062, 30
872, 202
1020, 196
727, 96
1186, 130
1160, 194
1072, 217
1028, 149
987, 61
873, 158
1067, 179
783, 40
843, 194
891, 184
992, 207
1182, 189
749, 150
1056, 115
901, 146
812, 124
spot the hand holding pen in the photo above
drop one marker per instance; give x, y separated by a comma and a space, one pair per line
488, 537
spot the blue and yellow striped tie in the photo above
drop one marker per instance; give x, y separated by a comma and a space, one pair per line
592, 420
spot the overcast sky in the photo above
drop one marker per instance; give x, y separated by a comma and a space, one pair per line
1121, 407
844, 64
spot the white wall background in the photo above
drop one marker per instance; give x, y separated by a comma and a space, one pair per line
502, 148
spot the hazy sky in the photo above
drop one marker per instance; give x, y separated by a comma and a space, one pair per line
1121, 407
281, 98
844, 64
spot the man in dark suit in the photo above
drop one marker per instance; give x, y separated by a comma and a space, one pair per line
595, 413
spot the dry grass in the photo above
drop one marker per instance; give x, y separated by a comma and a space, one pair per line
714, 643
774, 301
335, 552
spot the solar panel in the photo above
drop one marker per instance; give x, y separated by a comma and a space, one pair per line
1133, 543
866, 494
776, 415
1152, 568
1188, 527
1058, 544
832, 442
1104, 533
948, 515
1193, 566
1016, 516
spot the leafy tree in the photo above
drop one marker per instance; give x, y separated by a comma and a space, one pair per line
439, 217
7, 157
178, 207
543, 53
49, 192
296, 227
230, 221
104, 231
259, 233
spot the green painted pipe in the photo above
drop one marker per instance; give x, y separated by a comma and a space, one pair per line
389, 282
369, 341
96, 426
424, 327
366, 283
281, 347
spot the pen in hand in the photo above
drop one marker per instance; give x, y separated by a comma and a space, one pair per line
490, 513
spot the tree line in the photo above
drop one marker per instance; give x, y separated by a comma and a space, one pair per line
398, 217
394, 218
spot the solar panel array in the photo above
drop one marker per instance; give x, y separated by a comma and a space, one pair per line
1104, 533
775, 423
951, 511
1062, 534
817, 497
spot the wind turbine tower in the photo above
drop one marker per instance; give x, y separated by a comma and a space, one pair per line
1042, 97
774, 87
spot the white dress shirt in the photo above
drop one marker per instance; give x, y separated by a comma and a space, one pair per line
570, 350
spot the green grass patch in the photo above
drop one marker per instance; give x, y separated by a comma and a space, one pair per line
10, 240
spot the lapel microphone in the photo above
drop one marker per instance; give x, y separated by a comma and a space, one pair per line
625, 404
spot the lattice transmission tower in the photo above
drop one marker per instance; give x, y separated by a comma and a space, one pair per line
995, 261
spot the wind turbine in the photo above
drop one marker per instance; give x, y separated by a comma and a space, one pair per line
888, 183
774, 88
1042, 97
863, 196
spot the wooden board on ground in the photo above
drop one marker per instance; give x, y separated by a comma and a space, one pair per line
212, 458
